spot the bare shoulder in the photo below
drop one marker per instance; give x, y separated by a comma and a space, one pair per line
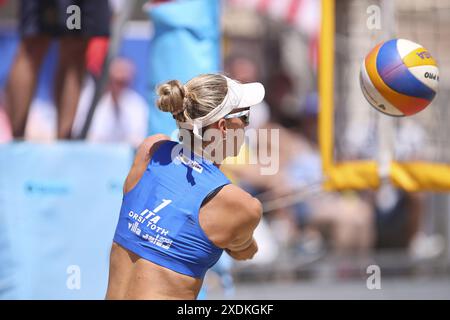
231, 213
143, 155
148, 147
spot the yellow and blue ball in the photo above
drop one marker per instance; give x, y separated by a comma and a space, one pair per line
399, 77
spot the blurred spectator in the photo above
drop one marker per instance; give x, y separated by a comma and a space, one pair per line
121, 114
40, 21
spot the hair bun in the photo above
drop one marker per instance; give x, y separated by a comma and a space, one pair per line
171, 99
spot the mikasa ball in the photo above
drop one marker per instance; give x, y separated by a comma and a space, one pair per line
399, 77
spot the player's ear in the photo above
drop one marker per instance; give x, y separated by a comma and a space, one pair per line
222, 125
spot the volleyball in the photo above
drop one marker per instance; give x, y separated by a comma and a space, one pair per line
399, 77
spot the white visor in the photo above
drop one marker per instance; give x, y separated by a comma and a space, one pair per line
239, 95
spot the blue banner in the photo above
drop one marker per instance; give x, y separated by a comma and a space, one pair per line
59, 205
186, 43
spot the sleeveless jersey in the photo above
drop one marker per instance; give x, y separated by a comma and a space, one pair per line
159, 217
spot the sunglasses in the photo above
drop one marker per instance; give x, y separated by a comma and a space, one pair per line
243, 115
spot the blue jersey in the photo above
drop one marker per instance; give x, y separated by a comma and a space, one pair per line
159, 216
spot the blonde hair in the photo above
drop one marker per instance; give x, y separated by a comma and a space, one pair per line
195, 99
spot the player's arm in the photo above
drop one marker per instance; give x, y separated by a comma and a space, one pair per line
234, 216
143, 155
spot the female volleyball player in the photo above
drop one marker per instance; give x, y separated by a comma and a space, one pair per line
179, 212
